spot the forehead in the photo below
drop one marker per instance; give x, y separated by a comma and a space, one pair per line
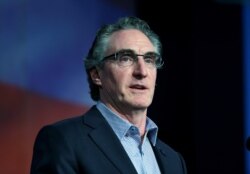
130, 39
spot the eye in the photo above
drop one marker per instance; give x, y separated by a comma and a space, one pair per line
150, 58
125, 57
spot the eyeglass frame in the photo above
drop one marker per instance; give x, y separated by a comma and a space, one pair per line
135, 58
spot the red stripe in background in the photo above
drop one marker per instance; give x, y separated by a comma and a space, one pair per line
22, 114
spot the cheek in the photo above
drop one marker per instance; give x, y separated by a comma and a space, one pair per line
113, 79
153, 77
118, 80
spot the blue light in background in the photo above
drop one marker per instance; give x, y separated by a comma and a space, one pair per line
43, 44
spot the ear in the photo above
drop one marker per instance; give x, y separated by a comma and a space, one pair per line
94, 74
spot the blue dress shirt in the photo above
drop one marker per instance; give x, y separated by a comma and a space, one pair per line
139, 150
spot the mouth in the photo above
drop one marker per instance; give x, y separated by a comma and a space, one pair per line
138, 87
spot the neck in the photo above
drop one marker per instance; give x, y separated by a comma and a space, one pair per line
136, 117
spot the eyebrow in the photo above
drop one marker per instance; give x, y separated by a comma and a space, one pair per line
130, 50
123, 50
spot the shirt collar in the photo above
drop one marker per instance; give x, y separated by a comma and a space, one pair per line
121, 126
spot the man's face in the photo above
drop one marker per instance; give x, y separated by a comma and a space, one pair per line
131, 87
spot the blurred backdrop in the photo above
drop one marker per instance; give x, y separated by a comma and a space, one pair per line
201, 103
42, 76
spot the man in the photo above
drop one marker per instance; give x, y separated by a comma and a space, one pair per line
115, 135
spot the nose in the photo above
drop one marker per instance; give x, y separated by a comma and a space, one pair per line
140, 69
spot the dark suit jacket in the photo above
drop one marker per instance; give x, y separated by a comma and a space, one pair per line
88, 145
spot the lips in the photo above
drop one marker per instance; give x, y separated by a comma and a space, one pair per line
137, 86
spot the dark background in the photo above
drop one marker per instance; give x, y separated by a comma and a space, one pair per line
199, 95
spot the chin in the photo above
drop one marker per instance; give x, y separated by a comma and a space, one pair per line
141, 105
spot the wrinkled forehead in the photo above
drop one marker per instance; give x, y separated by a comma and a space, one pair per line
130, 39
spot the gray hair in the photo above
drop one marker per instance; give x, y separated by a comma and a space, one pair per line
100, 45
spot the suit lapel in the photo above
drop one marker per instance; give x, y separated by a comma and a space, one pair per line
163, 162
107, 141
160, 156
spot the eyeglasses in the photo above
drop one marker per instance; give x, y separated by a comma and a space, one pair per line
125, 58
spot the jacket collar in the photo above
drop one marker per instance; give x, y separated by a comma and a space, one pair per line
105, 138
